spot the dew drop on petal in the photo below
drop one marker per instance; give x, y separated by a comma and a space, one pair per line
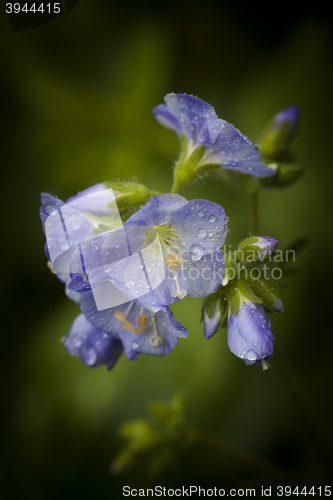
212, 218
135, 345
197, 252
200, 213
202, 234
251, 355
90, 356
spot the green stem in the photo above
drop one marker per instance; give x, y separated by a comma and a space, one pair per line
175, 186
255, 218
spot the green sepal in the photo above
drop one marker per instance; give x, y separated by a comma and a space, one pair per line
247, 249
268, 291
230, 268
217, 299
276, 139
224, 311
189, 166
239, 292
184, 171
128, 194
210, 303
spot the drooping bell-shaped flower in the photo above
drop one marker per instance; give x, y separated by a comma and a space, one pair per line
140, 330
249, 334
93, 346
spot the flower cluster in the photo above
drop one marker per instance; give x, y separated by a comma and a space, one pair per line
125, 254
103, 263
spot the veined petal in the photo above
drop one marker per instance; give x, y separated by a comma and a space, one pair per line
159, 337
160, 330
204, 226
234, 151
159, 210
189, 115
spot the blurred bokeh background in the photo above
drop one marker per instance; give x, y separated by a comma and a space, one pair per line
76, 98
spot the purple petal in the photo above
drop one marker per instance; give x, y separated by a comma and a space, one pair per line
249, 333
94, 347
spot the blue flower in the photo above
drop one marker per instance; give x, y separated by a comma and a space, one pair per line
181, 241
140, 330
93, 346
249, 334
223, 145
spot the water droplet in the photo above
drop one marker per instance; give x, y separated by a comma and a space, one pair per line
202, 234
200, 213
90, 356
251, 355
135, 345
212, 218
197, 252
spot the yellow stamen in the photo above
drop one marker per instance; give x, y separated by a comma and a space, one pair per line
142, 320
127, 325
140, 329
119, 315
172, 261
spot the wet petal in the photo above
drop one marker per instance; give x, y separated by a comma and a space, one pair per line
93, 346
249, 334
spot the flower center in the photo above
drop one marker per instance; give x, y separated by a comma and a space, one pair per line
168, 238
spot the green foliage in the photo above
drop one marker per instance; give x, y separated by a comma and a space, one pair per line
238, 292
153, 446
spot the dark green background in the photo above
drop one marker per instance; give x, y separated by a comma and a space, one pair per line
76, 100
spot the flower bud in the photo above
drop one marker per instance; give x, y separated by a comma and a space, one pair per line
256, 248
267, 290
276, 138
214, 313
128, 194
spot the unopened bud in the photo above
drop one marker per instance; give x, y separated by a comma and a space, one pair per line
276, 138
